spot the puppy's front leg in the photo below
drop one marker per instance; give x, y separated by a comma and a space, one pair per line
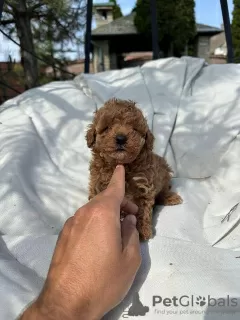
144, 218
95, 188
97, 185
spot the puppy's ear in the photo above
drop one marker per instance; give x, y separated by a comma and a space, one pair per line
149, 140
91, 135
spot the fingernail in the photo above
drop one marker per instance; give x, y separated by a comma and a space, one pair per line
132, 219
118, 166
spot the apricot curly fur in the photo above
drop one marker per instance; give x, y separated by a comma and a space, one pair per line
148, 175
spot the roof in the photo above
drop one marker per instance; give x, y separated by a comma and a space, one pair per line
102, 4
147, 55
205, 28
122, 25
125, 25
75, 67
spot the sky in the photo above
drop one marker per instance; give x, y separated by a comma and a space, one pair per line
207, 12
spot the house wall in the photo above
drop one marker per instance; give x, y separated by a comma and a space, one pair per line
217, 41
203, 47
102, 15
95, 59
101, 47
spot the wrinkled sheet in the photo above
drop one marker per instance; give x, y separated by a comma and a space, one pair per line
193, 110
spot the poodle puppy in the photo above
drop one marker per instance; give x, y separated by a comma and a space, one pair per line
119, 134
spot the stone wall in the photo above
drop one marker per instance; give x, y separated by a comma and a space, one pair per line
217, 59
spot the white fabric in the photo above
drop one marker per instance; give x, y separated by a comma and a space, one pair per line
194, 112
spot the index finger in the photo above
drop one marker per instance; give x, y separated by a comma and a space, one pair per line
116, 192
112, 198
116, 187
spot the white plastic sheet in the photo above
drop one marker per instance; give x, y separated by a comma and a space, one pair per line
194, 112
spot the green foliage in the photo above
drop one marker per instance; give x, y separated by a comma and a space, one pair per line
185, 28
117, 12
52, 25
62, 24
236, 29
176, 23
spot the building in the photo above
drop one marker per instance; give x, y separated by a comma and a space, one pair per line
113, 39
218, 48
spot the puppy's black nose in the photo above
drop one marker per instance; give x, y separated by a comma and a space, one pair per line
121, 139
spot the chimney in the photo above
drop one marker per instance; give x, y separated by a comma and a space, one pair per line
103, 13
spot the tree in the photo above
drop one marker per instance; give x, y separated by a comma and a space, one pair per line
185, 29
52, 37
176, 23
117, 12
236, 29
65, 17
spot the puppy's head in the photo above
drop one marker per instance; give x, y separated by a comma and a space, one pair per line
119, 132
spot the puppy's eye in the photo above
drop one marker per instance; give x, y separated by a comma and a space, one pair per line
139, 132
103, 130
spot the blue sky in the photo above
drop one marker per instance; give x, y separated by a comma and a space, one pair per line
207, 12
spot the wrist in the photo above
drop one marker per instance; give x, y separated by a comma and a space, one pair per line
30, 313
38, 311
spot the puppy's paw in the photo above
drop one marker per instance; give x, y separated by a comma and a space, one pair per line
145, 233
172, 199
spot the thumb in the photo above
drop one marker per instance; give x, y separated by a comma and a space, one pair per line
130, 235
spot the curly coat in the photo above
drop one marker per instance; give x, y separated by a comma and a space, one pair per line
119, 134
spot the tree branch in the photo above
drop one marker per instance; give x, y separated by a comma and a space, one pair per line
36, 6
8, 10
6, 22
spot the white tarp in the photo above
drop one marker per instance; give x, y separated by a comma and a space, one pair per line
194, 112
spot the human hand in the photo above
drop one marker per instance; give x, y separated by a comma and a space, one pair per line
95, 260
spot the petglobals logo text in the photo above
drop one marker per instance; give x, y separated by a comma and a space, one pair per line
192, 301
